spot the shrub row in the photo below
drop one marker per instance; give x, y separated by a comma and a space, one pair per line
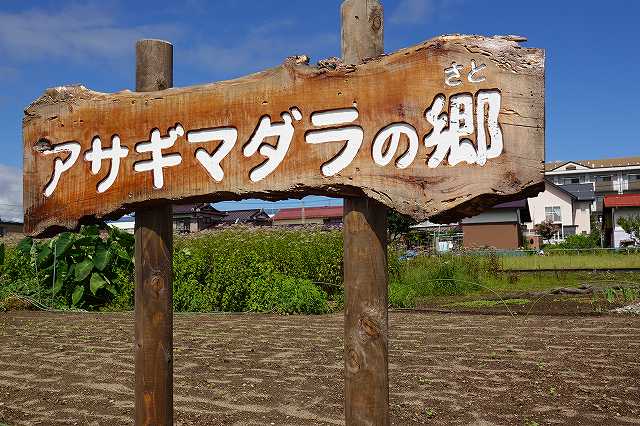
235, 269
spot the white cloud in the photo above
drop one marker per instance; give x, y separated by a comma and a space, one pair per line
263, 46
412, 11
10, 193
73, 32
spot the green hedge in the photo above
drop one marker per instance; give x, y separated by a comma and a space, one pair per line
235, 269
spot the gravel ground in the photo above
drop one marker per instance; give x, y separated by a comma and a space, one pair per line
630, 309
287, 370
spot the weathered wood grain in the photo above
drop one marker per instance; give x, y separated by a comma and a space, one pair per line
387, 89
366, 328
154, 270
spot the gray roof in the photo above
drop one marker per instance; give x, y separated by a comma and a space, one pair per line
579, 191
244, 216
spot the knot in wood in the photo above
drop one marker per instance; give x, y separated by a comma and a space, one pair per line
353, 363
161, 84
157, 283
369, 326
375, 19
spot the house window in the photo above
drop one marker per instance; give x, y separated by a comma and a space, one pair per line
571, 180
552, 214
603, 178
634, 177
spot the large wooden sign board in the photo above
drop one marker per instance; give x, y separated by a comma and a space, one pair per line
436, 130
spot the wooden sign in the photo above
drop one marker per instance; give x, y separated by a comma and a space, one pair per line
435, 130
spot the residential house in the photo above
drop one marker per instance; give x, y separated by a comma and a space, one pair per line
195, 217
615, 207
568, 205
500, 227
186, 218
609, 176
326, 215
257, 217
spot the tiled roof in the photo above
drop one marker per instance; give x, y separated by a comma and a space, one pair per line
190, 208
243, 216
579, 191
623, 200
309, 213
597, 164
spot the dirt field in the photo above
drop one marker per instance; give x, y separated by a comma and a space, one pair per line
260, 369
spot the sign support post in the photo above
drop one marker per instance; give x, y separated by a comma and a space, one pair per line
365, 255
153, 265
442, 130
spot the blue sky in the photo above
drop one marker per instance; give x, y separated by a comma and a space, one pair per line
592, 50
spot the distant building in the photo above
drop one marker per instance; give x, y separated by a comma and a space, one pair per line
568, 205
440, 237
616, 207
125, 223
327, 215
195, 217
608, 177
257, 217
500, 227
9, 227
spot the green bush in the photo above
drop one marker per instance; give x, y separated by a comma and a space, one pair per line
274, 292
233, 269
578, 241
73, 269
219, 271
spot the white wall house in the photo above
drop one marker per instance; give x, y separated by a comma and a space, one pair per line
568, 206
616, 207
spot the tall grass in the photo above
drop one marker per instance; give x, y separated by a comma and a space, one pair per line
446, 275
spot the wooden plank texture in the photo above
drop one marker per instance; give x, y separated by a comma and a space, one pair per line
154, 270
395, 90
366, 329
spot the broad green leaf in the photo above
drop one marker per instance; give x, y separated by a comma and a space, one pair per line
111, 289
44, 254
62, 242
87, 241
61, 273
24, 246
77, 294
83, 269
96, 283
121, 253
90, 230
101, 258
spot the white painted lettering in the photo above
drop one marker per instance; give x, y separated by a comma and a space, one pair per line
59, 165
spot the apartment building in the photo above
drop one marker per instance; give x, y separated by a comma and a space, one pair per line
608, 177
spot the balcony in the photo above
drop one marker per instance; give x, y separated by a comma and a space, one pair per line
604, 187
634, 185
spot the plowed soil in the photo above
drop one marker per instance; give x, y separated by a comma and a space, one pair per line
262, 369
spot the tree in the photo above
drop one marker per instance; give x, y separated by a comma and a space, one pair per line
546, 229
631, 225
398, 224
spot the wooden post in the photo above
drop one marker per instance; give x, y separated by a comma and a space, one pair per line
153, 251
366, 393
